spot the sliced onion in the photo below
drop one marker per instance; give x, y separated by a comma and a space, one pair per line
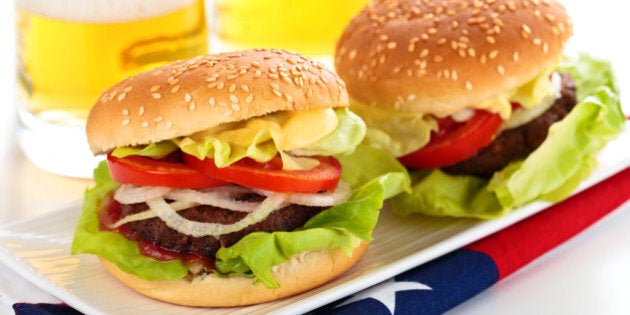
324, 199
199, 229
213, 198
148, 214
130, 194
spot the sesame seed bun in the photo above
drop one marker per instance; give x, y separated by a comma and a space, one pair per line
439, 57
301, 273
187, 96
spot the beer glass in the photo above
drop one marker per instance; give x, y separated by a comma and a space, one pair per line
69, 51
305, 26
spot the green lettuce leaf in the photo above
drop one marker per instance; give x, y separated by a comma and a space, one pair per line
550, 173
398, 133
90, 239
342, 226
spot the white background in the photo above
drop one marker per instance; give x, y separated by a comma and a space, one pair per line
590, 274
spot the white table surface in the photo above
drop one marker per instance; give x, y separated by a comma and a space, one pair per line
590, 274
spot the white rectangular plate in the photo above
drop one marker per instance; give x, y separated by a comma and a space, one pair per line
39, 250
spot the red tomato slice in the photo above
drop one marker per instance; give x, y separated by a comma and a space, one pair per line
144, 171
271, 176
459, 142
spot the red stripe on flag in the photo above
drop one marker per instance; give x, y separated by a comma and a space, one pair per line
519, 244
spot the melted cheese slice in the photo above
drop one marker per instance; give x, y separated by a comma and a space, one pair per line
289, 130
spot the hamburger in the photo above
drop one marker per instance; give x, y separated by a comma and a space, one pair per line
465, 93
230, 180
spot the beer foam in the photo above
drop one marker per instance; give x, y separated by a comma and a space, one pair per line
101, 11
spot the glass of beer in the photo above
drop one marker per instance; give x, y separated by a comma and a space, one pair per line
70, 51
305, 26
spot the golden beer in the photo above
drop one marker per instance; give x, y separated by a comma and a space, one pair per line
66, 61
307, 26
69, 51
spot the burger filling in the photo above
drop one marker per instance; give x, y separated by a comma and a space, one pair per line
521, 135
444, 140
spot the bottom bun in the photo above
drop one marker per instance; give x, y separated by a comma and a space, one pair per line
301, 273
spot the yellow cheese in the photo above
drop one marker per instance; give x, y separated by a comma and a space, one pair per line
289, 129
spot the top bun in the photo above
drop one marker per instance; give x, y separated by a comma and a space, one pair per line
187, 96
441, 56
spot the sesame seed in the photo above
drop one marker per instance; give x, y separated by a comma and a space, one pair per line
490, 39
220, 85
169, 124
155, 88
125, 112
128, 88
469, 86
353, 54
125, 122
232, 87
249, 98
493, 54
233, 98
121, 96
277, 93
391, 45
501, 70
537, 41
525, 31
145, 124
141, 111
211, 101
187, 97
156, 95
257, 74
175, 89
245, 88
191, 106
158, 119
515, 56
235, 107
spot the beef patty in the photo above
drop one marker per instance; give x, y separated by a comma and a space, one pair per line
517, 143
155, 231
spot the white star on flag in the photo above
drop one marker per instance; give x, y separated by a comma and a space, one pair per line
385, 292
